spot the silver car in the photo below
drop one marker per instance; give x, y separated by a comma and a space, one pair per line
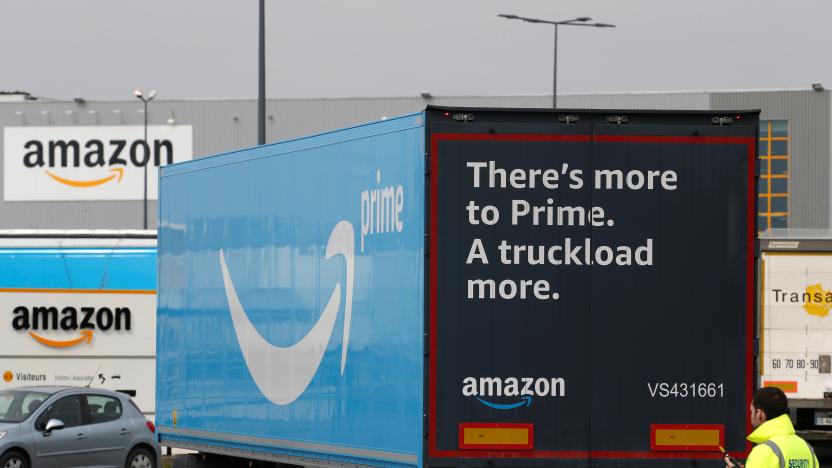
63, 427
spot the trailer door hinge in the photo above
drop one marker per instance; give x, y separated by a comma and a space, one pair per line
617, 119
568, 119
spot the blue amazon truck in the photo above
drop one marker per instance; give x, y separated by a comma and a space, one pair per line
465, 287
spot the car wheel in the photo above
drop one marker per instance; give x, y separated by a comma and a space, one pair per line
13, 459
138, 458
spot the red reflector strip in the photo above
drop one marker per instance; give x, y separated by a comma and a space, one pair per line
786, 386
496, 436
687, 437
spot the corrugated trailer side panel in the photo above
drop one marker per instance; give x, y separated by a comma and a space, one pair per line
291, 304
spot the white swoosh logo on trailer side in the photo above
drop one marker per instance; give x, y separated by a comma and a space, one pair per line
283, 373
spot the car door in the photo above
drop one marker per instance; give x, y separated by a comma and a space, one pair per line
67, 447
110, 431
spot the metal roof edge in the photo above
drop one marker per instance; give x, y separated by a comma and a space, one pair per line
593, 111
417, 97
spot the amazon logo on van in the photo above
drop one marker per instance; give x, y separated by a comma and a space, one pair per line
84, 319
52, 155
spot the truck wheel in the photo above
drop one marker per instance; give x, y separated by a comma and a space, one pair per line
138, 458
13, 459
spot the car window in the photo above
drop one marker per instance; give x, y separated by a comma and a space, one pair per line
17, 405
103, 408
6, 401
31, 402
67, 409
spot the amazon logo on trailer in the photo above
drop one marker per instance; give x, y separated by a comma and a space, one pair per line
521, 390
283, 373
86, 320
77, 321
293, 367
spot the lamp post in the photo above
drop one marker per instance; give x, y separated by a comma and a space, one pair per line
579, 21
261, 76
138, 93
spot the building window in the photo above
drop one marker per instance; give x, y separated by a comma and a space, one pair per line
773, 186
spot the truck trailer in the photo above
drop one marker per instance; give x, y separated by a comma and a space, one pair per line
80, 310
795, 334
465, 287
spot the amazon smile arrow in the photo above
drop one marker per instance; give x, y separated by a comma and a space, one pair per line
524, 401
282, 373
116, 172
86, 335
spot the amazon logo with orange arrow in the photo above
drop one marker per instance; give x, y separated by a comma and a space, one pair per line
40, 320
72, 155
117, 172
86, 335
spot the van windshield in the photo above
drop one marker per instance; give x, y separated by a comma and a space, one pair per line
17, 405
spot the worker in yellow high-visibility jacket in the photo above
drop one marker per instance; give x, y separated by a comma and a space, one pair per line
777, 444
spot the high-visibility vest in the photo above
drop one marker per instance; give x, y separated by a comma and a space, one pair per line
793, 448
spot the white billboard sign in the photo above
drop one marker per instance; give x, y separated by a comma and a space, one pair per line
89, 163
78, 323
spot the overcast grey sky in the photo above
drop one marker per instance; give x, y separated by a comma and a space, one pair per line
102, 49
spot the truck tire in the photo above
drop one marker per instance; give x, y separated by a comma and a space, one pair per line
189, 460
14, 459
139, 458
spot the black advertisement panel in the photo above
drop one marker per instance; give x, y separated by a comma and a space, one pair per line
590, 291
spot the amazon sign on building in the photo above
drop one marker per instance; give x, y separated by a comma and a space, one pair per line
89, 163
79, 164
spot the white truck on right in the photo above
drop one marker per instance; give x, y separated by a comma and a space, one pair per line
795, 330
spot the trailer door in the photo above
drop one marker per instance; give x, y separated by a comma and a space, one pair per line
590, 289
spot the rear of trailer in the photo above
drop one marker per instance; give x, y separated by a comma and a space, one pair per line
795, 329
465, 287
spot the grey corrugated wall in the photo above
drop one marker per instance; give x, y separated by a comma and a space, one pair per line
224, 125
667, 101
214, 130
218, 126
808, 113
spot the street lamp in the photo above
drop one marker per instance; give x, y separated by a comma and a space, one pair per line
138, 93
579, 21
261, 76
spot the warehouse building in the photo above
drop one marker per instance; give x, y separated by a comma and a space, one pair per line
81, 164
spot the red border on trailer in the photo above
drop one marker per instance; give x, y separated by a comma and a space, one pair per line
435, 138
